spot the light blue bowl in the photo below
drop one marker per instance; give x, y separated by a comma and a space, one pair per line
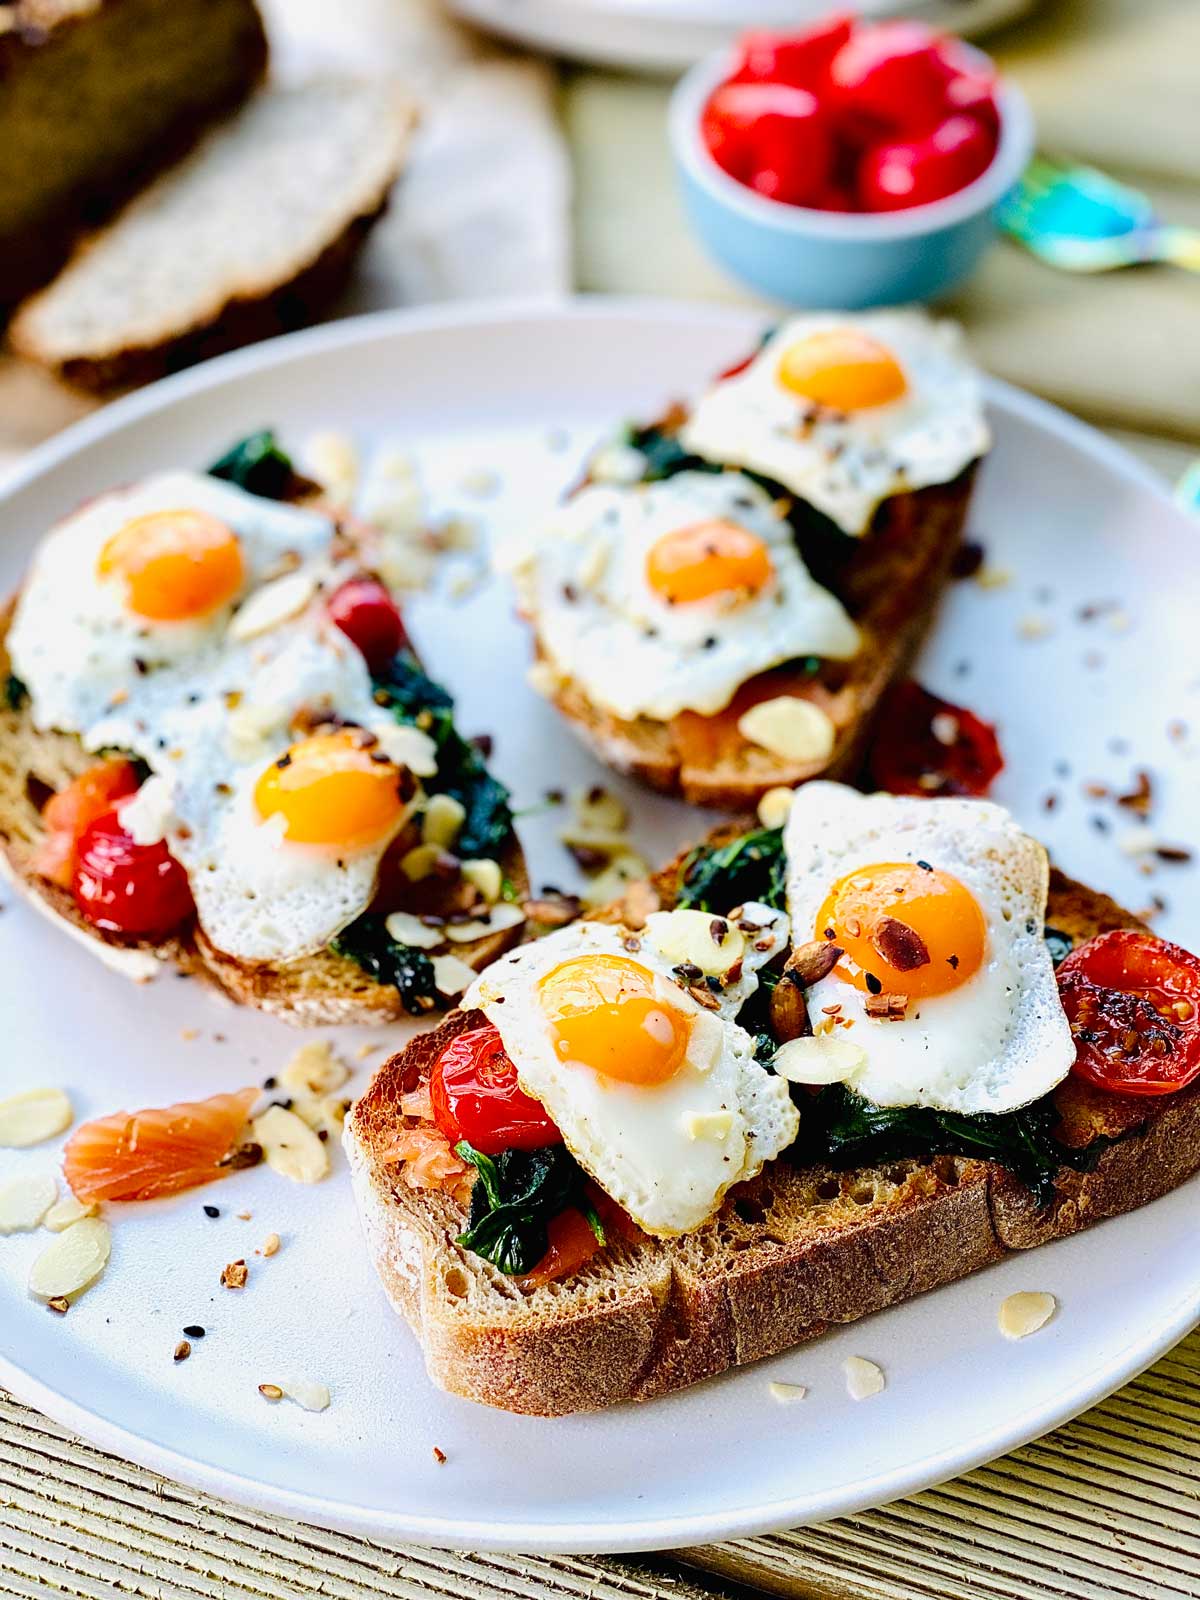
831, 259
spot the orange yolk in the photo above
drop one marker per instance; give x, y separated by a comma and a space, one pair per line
707, 559
175, 565
604, 1014
330, 791
843, 369
937, 908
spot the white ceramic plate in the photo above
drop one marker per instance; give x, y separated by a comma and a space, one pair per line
524, 392
668, 35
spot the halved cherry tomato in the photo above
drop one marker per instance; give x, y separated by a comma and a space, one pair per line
123, 887
368, 616
68, 813
926, 745
1133, 1002
476, 1097
899, 174
801, 59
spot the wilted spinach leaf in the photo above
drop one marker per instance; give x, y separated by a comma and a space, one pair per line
750, 867
516, 1196
15, 692
258, 465
368, 942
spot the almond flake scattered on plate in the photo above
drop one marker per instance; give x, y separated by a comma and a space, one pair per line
289, 1145
1024, 1313
863, 1378
786, 1394
34, 1116
75, 1259
24, 1202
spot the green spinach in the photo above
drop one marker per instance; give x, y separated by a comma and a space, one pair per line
15, 692
367, 942
258, 465
750, 867
515, 1197
461, 771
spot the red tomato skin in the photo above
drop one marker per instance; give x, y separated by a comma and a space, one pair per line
973, 94
893, 72
801, 59
900, 174
366, 613
476, 1097
794, 155
1121, 983
751, 128
67, 814
907, 757
135, 889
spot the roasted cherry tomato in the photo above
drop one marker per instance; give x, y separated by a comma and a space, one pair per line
68, 813
573, 1241
123, 887
893, 73
1133, 1002
476, 1097
801, 59
925, 745
366, 613
896, 175
771, 136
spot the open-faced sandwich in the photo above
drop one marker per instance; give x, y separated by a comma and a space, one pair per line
719, 607
218, 750
809, 1071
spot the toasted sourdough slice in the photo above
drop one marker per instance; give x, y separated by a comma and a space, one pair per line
251, 235
791, 1254
319, 991
890, 584
95, 96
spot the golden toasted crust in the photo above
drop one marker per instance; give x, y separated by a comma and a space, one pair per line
320, 991
890, 585
792, 1253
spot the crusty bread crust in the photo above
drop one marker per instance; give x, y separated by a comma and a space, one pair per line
890, 585
791, 1254
323, 990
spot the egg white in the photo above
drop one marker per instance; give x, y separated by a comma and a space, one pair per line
632, 1139
843, 463
1001, 1039
581, 579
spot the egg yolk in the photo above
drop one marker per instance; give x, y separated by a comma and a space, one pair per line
176, 565
705, 560
331, 791
916, 930
843, 369
604, 1014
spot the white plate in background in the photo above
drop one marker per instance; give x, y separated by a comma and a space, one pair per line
1097, 552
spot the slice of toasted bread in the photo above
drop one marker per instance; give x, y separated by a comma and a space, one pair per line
890, 584
250, 235
321, 990
791, 1254
95, 97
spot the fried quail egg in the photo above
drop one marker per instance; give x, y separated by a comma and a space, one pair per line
844, 410
658, 1098
663, 597
939, 907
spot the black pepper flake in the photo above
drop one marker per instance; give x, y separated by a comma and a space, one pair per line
269, 1083
952, 961
194, 1330
873, 984
924, 866
212, 1211
322, 1134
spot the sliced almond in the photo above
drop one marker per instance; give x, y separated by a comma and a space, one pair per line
697, 938
486, 877
451, 975
148, 816
819, 1058
409, 747
794, 730
611, 884
775, 807
786, 1394
314, 1069
502, 916
24, 1202
312, 1396
404, 928
273, 604
442, 820
599, 811
423, 860
289, 1146
75, 1259
33, 1116
1024, 1313
863, 1377
66, 1211
708, 1125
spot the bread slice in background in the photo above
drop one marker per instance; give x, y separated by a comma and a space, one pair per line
252, 234
791, 1254
890, 582
95, 95
322, 990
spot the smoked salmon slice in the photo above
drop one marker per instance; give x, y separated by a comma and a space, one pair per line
139, 1155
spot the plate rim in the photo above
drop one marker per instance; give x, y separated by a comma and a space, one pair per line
541, 1537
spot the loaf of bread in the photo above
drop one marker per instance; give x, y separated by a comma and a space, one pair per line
95, 95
